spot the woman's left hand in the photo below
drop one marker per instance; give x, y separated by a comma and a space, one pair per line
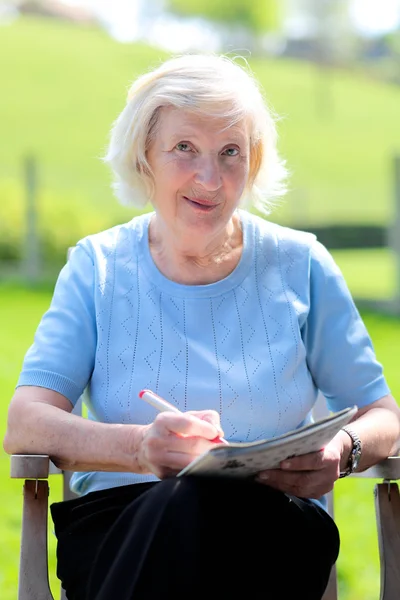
308, 476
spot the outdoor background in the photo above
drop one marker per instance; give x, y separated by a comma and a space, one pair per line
330, 69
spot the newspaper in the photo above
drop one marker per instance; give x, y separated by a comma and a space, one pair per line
246, 459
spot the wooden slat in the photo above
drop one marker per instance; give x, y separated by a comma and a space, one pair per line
67, 494
29, 466
387, 506
331, 590
33, 583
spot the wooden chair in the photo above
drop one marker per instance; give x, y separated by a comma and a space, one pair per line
33, 576
33, 583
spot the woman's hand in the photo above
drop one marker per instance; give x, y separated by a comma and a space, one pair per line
173, 440
309, 476
314, 474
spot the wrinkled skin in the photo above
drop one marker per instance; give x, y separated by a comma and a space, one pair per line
173, 440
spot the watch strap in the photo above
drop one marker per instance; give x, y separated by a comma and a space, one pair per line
355, 453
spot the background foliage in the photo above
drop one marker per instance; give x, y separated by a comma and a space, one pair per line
66, 85
257, 16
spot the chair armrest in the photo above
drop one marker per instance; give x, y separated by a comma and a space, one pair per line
388, 469
30, 466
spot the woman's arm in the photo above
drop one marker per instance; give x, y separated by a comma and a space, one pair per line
313, 475
378, 427
40, 422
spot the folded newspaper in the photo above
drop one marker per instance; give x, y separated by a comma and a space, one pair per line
246, 459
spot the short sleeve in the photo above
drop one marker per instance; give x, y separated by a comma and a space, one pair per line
61, 357
340, 354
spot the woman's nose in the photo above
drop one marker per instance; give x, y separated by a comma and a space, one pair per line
208, 173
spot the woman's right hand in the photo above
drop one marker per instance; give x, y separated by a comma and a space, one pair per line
173, 440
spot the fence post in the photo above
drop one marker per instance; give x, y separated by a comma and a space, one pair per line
394, 229
31, 245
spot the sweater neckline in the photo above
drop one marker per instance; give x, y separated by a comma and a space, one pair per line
147, 264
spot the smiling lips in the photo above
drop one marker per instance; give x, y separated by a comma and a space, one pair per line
201, 203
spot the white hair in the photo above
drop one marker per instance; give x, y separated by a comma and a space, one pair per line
214, 86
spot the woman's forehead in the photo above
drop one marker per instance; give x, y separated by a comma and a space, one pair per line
173, 121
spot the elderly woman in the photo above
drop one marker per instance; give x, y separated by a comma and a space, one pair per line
237, 322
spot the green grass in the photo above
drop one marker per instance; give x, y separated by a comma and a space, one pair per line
64, 86
20, 311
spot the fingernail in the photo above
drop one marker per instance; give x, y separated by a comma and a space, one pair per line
263, 476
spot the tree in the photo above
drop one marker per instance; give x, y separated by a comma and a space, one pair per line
258, 16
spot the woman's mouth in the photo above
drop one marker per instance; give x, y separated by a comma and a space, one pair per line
201, 203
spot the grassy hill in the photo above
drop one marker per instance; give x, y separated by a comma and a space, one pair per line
63, 86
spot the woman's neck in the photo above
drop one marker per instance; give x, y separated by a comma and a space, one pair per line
196, 265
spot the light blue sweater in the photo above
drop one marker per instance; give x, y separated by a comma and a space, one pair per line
255, 346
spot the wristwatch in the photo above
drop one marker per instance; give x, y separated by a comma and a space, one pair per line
355, 454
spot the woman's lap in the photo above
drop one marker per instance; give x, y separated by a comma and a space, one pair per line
81, 525
163, 539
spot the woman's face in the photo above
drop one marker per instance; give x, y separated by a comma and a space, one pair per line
200, 171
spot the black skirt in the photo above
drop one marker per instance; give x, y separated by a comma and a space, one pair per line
193, 537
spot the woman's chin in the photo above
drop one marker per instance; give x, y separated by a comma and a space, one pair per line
197, 221
197, 214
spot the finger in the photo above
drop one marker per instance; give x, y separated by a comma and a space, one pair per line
304, 484
176, 460
211, 416
185, 424
314, 461
189, 445
287, 481
170, 465
170, 451
177, 453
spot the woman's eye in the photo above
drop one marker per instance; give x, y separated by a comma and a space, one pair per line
183, 147
231, 151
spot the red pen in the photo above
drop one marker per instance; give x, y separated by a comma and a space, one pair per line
162, 405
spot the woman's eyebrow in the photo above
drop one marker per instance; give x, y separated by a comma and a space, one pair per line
228, 137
